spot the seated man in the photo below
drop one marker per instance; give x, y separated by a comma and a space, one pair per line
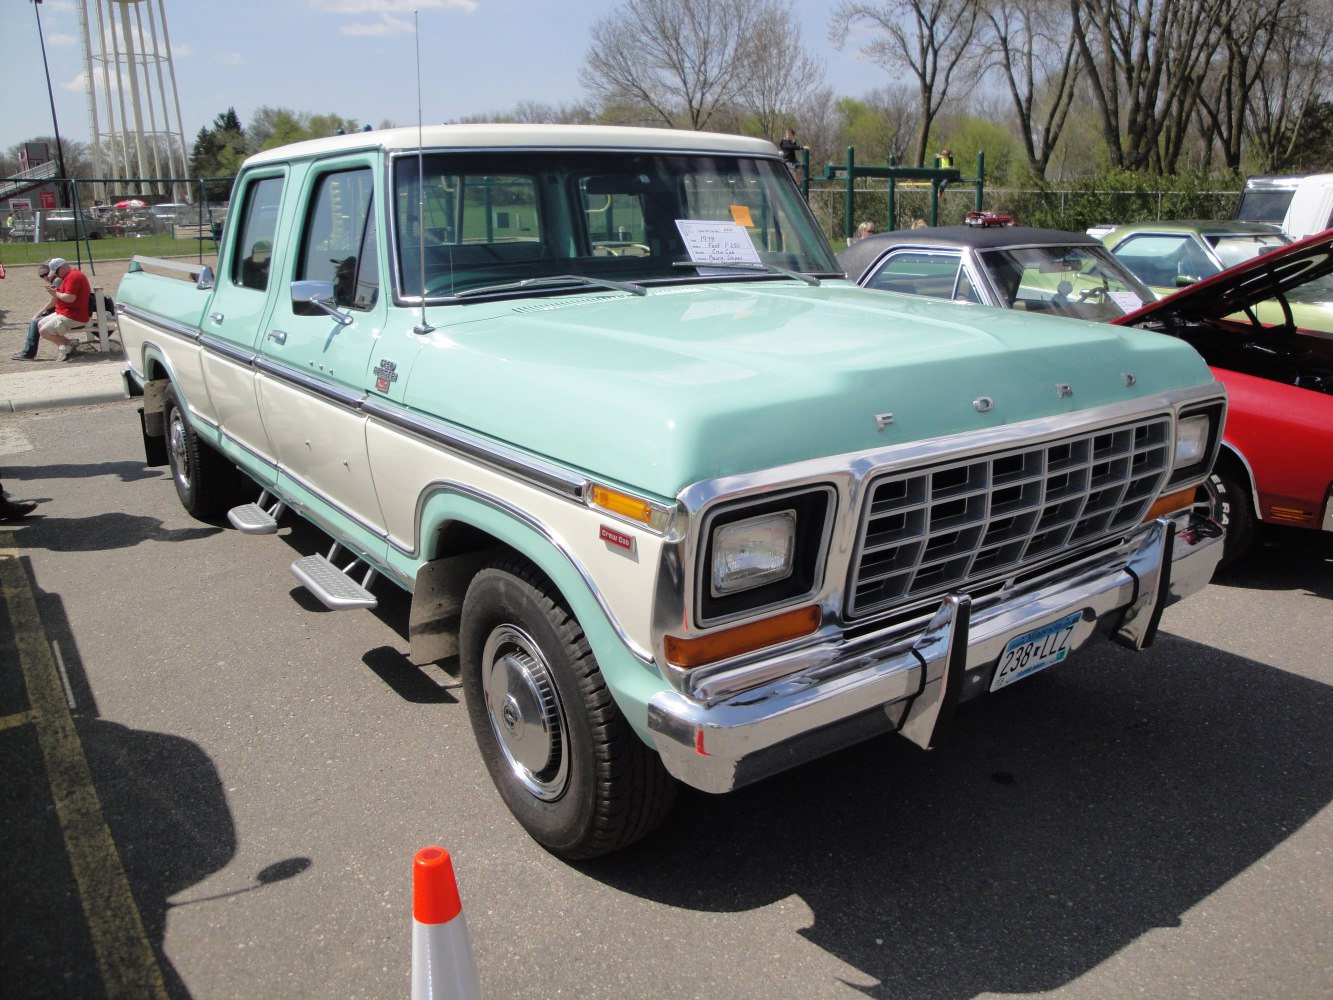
71, 301
30, 345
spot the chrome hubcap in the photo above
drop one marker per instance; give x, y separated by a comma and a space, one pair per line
525, 711
180, 457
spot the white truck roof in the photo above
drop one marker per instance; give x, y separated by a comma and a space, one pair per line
521, 137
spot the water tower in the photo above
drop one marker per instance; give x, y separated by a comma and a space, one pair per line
134, 114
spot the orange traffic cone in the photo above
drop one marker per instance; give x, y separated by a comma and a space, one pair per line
443, 966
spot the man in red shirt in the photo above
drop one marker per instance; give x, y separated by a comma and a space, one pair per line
72, 295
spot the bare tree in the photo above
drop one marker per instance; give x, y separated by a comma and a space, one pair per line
1031, 47
929, 38
781, 74
676, 63
1292, 82
1144, 63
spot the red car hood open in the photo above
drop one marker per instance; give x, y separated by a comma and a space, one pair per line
1266, 276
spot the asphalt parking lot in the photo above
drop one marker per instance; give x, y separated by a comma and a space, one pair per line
214, 788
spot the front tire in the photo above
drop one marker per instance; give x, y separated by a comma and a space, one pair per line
1226, 502
206, 483
563, 757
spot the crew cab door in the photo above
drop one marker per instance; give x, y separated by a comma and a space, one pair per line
314, 360
237, 316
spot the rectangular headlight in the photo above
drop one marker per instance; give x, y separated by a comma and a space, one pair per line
753, 552
1192, 438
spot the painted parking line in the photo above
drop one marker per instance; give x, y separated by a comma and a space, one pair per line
125, 957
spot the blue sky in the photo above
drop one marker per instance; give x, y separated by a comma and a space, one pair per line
349, 57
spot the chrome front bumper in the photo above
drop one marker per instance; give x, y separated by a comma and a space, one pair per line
848, 690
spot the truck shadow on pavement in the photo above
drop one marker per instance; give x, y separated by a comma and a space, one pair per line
162, 805
113, 530
1284, 559
1064, 818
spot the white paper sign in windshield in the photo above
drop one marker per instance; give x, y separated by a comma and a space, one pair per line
717, 243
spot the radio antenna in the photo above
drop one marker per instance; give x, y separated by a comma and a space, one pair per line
423, 327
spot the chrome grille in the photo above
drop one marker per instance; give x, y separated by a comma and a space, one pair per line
945, 528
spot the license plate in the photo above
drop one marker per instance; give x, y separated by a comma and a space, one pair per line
1036, 650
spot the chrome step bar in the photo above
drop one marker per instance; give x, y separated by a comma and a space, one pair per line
335, 587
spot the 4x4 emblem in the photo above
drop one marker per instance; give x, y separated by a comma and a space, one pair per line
385, 374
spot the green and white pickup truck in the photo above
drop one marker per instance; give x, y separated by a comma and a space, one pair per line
683, 503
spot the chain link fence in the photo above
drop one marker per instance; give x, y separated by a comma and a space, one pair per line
1072, 210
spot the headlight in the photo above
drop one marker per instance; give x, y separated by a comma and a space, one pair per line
1192, 440
1197, 435
762, 553
753, 552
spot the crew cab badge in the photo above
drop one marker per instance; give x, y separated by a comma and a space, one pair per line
617, 538
883, 420
385, 374
1063, 389
983, 404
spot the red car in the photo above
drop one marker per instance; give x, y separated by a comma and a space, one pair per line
1276, 461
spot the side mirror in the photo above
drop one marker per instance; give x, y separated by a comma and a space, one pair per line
319, 294
1185, 280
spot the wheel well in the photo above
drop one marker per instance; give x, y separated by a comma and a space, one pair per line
461, 550
1230, 464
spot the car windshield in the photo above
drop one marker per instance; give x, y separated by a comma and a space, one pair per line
482, 220
1237, 249
1085, 282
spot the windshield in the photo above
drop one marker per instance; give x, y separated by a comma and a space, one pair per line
1085, 282
486, 219
1233, 250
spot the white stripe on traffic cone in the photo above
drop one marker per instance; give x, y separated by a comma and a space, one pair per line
443, 966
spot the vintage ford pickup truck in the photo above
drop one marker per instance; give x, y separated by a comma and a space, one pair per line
677, 500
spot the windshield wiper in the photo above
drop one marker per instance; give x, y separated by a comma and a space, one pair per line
552, 280
749, 265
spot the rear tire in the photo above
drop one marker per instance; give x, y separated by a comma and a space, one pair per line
206, 483
560, 752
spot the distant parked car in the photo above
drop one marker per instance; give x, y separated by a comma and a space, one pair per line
63, 224
1167, 256
1013, 267
176, 213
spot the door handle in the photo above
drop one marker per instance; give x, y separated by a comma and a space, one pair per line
217, 318
277, 335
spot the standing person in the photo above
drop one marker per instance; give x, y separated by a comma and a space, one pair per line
71, 297
12, 510
865, 229
29, 352
789, 146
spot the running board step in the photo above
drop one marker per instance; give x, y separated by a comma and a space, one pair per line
334, 588
256, 518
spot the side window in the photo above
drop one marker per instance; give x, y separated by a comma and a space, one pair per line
339, 242
254, 248
1155, 260
918, 273
966, 290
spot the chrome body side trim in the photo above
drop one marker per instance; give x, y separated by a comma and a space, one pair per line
183, 330
539, 473
839, 690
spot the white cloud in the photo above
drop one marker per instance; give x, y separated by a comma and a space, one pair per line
181, 50
76, 83
62, 40
387, 25
230, 58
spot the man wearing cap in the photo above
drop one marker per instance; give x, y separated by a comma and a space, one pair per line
71, 299
30, 345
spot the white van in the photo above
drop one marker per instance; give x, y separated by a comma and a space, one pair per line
1302, 206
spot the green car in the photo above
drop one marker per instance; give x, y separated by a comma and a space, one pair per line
1167, 256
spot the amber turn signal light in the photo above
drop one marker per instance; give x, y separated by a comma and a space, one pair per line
1169, 503
746, 638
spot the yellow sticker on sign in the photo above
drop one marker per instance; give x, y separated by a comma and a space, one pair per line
740, 214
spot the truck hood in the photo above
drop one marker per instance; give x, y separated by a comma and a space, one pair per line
694, 382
